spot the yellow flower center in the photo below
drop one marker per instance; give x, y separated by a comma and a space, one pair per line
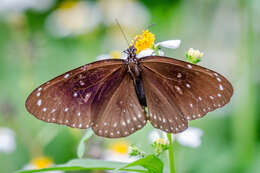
120, 147
115, 54
144, 41
67, 5
162, 141
42, 162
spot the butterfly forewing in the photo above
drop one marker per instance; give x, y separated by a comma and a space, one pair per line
117, 109
186, 91
67, 99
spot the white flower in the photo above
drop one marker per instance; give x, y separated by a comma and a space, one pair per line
194, 53
154, 135
190, 137
112, 55
146, 52
160, 52
22, 5
73, 18
171, 44
118, 151
103, 56
41, 162
132, 15
7, 140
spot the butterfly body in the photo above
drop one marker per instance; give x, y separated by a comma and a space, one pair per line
109, 96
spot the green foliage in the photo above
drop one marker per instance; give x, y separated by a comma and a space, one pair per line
148, 164
135, 151
82, 144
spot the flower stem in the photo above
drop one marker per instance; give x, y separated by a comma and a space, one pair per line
170, 153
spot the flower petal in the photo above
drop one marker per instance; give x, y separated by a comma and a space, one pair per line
154, 135
7, 138
103, 56
146, 52
161, 53
190, 137
171, 44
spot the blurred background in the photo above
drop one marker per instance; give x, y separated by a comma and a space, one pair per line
42, 39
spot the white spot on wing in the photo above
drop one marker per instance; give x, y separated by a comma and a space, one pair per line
66, 76
189, 66
38, 94
221, 87
39, 102
44, 109
66, 109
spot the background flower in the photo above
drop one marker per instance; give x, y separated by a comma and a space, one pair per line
73, 18
118, 151
41, 162
22, 5
190, 137
7, 140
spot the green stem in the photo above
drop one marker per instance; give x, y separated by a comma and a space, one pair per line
170, 153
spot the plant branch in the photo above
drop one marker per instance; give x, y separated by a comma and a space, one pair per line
170, 153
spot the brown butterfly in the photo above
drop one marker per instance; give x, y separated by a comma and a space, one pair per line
109, 96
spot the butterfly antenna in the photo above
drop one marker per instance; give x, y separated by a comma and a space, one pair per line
121, 29
149, 26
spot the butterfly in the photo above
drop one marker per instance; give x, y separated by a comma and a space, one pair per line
110, 95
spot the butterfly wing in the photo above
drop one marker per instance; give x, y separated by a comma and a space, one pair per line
119, 111
67, 99
178, 91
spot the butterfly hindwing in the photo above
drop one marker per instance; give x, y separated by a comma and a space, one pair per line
185, 91
67, 99
117, 109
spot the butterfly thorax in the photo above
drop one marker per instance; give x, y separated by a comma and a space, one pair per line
132, 62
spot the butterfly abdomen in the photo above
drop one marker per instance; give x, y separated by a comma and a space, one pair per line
139, 89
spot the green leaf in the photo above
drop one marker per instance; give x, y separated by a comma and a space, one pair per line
152, 163
82, 146
90, 164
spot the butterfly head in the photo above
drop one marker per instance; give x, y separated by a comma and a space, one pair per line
131, 52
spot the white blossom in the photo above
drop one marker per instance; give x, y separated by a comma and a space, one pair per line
190, 137
146, 52
171, 44
81, 18
103, 56
7, 140
22, 5
194, 53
